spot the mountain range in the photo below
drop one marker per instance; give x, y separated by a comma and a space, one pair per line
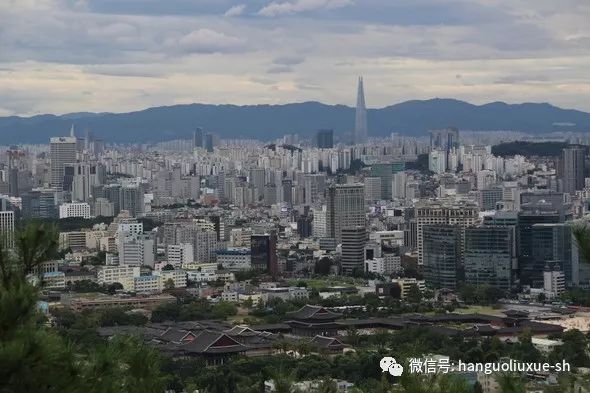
267, 122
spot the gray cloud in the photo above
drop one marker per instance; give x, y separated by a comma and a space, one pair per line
132, 53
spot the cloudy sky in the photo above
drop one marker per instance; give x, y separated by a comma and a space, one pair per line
59, 56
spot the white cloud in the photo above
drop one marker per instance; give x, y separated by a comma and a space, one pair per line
293, 7
236, 10
206, 41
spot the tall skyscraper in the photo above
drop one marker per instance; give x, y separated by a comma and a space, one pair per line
537, 208
442, 255
131, 199
345, 208
198, 137
443, 143
361, 127
263, 250
353, 249
209, 142
462, 214
62, 152
571, 169
39, 203
490, 255
325, 139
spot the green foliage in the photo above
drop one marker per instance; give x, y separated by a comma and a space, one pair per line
527, 149
483, 295
577, 297
36, 359
574, 349
581, 234
510, 383
322, 266
193, 310
72, 224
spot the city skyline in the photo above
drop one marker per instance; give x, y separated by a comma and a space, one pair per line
126, 55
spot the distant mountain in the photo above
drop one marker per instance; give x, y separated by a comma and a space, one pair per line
266, 122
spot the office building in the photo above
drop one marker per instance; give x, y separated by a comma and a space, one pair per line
554, 282
62, 151
490, 256
131, 199
85, 176
571, 169
76, 209
235, 259
537, 208
180, 254
441, 255
198, 137
136, 250
386, 171
462, 214
488, 198
263, 251
325, 139
552, 245
39, 203
104, 208
353, 249
209, 142
345, 208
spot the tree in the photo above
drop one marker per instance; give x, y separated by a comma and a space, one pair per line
327, 386
414, 294
35, 359
510, 383
581, 233
168, 267
323, 266
169, 284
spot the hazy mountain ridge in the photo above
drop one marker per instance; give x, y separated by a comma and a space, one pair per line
267, 122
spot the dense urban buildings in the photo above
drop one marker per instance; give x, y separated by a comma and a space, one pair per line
429, 222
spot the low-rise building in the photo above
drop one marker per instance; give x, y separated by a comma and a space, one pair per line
235, 259
124, 275
177, 276
76, 209
54, 280
148, 284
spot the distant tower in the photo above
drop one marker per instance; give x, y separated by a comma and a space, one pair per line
361, 127
198, 137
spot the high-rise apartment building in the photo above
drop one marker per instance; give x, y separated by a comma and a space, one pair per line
345, 208
131, 199
62, 151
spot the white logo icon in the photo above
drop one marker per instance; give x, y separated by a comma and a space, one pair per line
389, 364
